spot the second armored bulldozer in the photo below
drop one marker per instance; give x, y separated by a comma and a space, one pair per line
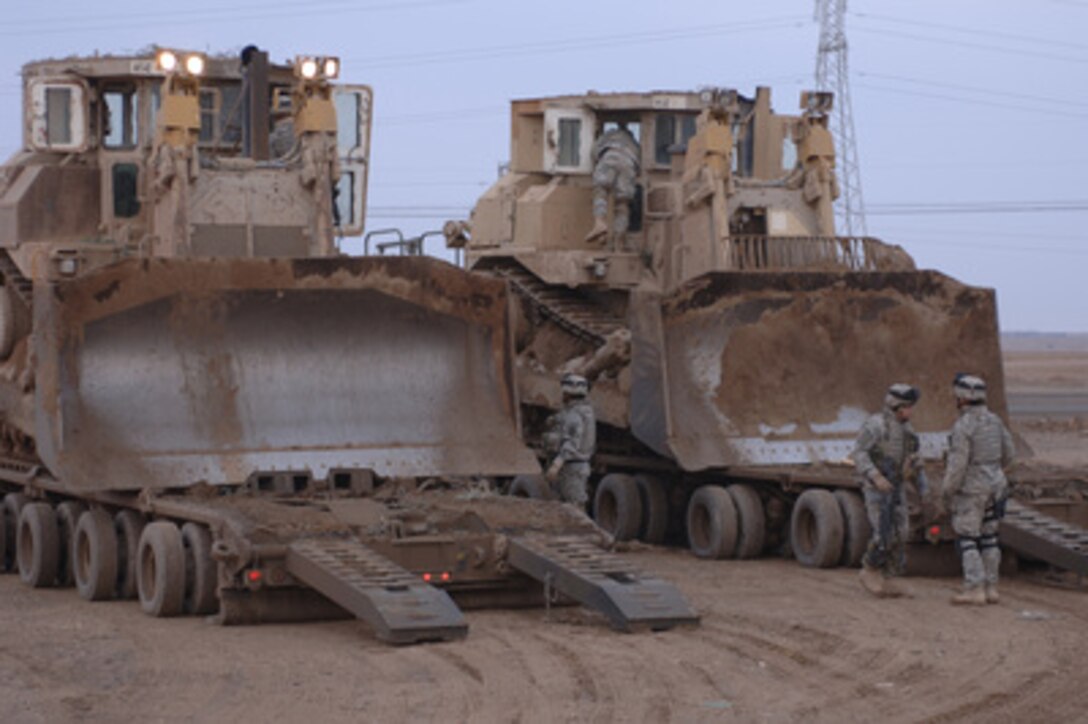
735, 342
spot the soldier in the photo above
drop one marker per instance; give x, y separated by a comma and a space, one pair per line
575, 430
886, 456
975, 488
616, 162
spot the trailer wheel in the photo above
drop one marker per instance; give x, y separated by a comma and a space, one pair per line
201, 572
160, 569
94, 556
856, 528
617, 506
38, 546
712, 523
130, 525
531, 486
751, 523
13, 506
68, 514
655, 508
816, 529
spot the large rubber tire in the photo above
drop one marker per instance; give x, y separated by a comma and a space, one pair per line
856, 528
531, 486
201, 572
712, 523
38, 547
12, 508
655, 508
129, 525
751, 522
68, 514
617, 507
160, 569
816, 529
94, 556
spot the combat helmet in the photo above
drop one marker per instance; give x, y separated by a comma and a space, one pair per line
901, 395
969, 388
574, 385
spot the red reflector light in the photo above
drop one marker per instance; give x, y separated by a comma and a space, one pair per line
445, 576
935, 531
253, 575
427, 577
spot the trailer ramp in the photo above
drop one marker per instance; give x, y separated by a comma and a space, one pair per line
400, 607
601, 581
1038, 535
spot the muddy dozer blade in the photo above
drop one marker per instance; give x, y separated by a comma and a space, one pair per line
771, 368
159, 373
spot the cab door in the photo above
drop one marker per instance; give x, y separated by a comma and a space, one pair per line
354, 104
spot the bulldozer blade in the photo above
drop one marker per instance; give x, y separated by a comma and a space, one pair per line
776, 368
167, 372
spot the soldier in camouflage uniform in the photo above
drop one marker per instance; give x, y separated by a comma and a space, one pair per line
574, 429
616, 163
975, 489
885, 456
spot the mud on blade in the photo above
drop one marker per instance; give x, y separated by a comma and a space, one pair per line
782, 368
167, 372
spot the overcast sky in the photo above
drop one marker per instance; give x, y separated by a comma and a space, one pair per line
960, 106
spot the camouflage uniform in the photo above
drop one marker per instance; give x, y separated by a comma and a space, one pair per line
616, 164
979, 449
576, 427
883, 446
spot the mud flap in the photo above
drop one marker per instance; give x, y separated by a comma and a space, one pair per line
631, 600
168, 372
781, 368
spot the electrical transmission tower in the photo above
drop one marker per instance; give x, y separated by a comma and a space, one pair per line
832, 74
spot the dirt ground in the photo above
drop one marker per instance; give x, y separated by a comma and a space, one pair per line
777, 643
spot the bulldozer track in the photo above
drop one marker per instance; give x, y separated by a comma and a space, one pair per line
15, 279
1046, 538
564, 306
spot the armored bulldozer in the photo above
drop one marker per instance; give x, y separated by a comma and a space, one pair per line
206, 406
734, 341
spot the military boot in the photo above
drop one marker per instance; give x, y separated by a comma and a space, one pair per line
872, 580
991, 593
970, 597
599, 231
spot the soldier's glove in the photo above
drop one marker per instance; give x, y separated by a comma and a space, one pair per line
553, 470
999, 507
881, 483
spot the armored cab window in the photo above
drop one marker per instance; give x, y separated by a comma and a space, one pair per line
209, 108
58, 118
671, 130
570, 139
120, 121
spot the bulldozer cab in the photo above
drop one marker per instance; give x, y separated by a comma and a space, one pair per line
182, 154
717, 171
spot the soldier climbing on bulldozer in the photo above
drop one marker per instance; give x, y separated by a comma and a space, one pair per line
615, 171
886, 458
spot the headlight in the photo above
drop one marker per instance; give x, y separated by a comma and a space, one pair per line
194, 64
308, 68
332, 67
166, 60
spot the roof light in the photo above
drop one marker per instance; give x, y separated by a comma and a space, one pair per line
195, 64
166, 60
308, 68
332, 67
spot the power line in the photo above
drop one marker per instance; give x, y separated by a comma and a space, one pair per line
979, 46
972, 89
573, 44
1049, 42
197, 17
974, 101
979, 207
